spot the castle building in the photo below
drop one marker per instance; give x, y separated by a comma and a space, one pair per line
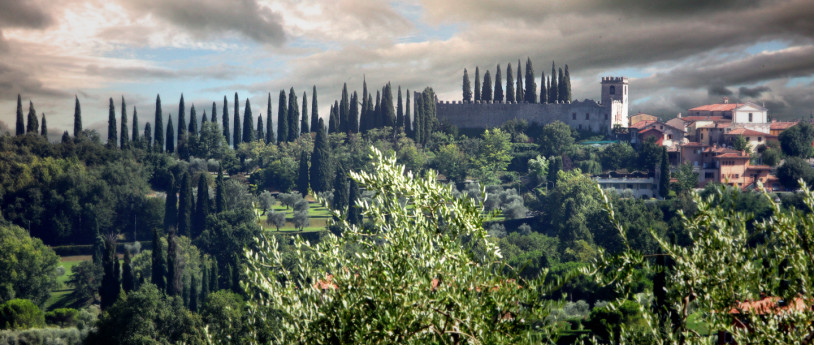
586, 115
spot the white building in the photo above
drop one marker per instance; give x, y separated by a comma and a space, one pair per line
638, 187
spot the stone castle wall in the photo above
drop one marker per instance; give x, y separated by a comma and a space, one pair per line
583, 115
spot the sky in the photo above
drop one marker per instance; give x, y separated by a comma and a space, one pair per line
677, 54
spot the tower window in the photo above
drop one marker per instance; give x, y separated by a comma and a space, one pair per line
587, 116
574, 116
613, 90
606, 117
750, 117
580, 126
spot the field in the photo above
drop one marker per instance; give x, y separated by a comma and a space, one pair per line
318, 216
61, 297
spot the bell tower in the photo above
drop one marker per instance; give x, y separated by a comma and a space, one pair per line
615, 99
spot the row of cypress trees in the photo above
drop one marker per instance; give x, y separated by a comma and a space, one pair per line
33, 125
555, 88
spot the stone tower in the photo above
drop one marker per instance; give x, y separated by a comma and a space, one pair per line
615, 99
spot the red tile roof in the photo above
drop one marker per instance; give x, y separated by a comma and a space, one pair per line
704, 118
717, 107
732, 155
770, 305
749, 132
759, 167
642, 124
782, 125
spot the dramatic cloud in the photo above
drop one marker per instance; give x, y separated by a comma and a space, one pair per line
754, 92
23, 13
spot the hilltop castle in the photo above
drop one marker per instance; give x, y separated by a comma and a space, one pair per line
588, 115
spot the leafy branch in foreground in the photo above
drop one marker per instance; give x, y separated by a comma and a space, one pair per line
424, 272
744, 279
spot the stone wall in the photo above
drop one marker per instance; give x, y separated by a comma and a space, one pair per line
583, 115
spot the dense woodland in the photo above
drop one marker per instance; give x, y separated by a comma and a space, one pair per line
435, 235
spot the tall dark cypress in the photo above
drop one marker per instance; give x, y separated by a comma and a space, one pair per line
193, 294
201, 207
466, 88
225, 119
314, 110
549, 91
282, 117
353, 116
408, 128
170, 136
399, 110
171, 206
486, 93
20, 124
205, 279
509, 84
193, 122
173, 272
236, 133
293, 116
531, 85
77, 116
204, 120
370, 112
560, 86
354, 213
344, 108
185, 206
333, 127
304, 126
109, 290
124, 140
363, 116
33, 122
320, 176
553, 89
148, 136
213, 277
335, 118
429, 114
214, 115
388, 108
340, 200
261, 133
159, 262
498, 85
159, 126
376, 121
269, 125
112, 137
44, 127
543, 89
519, 93
128, 276
664, 177
302, 176
477, 83
248, 123
135, 137
567, 85
182, 119
418, 102
220, 196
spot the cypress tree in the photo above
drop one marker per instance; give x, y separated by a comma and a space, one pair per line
33, 122
407, 123
486, 94
332, 127
173, 274
354, 213
205, 280
543, 89
213, 277
269, 126
261, 134
159, 263
353, 116
417, 118
293, 116
664, 178
304, 127
518, 89
201, 207
44, 127
225, 119
171, 206
302, 176
77, 116
400, 111
340, 200
220, 196
204, 119
363, 116
467, 88
236, 278
248, 123
321, 161
282, 118
552, 88
193, 122
344, 109
567, 90
124, 140
531, 85
561, 93
159, 126
335, 117
112, 137
314, 110
236, 133
477, 84
509, 84
498, 85
193, 294
135, 137
66, 137
109, 290
128, 276
214, 118
170, 136
148, 136
376, 119
429, 114
370, 118
182, 120
553, 170
185, 206
20, 123
548, 90
388, 108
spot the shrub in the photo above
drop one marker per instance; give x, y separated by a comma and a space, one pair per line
62, 317
20, 314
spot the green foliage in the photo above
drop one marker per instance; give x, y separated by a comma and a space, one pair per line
741, 144
529, 254
771, 156
796, 141
42, 336
650, 154
320, 174
793, 170
569, 204
20, 314
62, 317
86, 278
605, 321
617, 156
686, 179
493, 156
27, 266
538, 170
555, 139
427, 252
225, 313
467, 87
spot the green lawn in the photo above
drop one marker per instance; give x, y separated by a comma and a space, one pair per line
318, 216
61, 297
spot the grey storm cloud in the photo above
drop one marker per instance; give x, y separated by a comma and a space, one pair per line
220, 71
752, 92
719, 91
23, 13
213, 17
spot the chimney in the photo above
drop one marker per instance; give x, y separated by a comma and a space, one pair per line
726, 100
679, 115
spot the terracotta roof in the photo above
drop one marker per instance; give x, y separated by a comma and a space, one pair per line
642, 124
732, 155
758, 167
717, 107
749, 132
703, 118
782, 125
770, 304
650, 129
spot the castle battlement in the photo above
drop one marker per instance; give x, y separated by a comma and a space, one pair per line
614, 80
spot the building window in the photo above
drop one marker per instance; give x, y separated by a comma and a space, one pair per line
580, 126
709, 175
574, 116
750, 117
587, 116
669, 136
759, 139
606, 117
625, 89
613, 90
